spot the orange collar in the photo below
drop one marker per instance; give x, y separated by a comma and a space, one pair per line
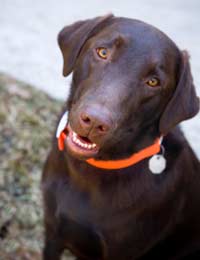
123, 163
133, 159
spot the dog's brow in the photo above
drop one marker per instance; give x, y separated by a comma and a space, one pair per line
109, 41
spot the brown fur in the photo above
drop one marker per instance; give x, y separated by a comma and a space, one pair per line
128, 213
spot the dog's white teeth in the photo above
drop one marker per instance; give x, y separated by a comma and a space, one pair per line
74, 134
81, 144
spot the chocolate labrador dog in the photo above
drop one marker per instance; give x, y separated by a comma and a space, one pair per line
121, 181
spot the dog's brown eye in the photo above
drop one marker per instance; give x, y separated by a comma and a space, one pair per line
102, 52
153, 82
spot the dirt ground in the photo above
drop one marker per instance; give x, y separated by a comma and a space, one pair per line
26, 119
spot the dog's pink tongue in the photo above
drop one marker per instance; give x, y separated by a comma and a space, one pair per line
85, 139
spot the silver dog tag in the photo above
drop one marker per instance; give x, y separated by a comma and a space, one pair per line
157, 164
62, 124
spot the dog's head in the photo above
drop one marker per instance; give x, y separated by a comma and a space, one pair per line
130, 85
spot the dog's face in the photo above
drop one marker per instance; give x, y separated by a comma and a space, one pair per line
130, 85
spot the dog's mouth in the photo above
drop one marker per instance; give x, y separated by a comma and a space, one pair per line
79, 146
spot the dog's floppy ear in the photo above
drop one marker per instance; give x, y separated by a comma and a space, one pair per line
72, 38
184, 103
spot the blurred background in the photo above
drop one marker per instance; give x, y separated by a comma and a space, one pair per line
30, 66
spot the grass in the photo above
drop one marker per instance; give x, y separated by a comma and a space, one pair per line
27, 122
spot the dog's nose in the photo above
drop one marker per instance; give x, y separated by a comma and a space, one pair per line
95, 121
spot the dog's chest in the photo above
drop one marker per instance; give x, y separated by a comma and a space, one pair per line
80, 238
89, 228
78, 224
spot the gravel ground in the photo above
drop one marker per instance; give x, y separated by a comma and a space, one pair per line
24, 112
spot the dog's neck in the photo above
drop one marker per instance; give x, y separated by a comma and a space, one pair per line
126, 148
125, 158
82, 173
130, 161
